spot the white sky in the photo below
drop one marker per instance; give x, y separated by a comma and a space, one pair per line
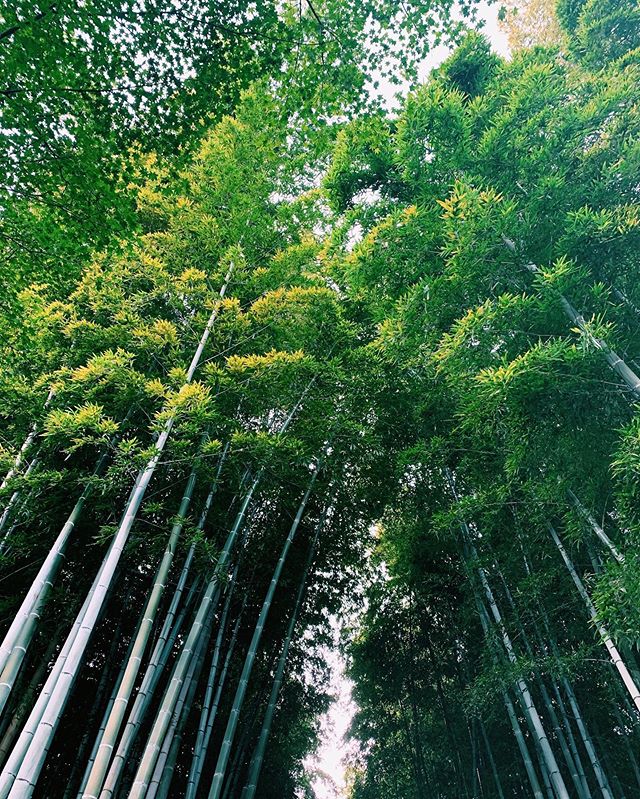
330, 761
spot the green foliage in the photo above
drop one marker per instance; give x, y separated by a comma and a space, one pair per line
427, 313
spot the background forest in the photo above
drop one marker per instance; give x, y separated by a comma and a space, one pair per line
272, 356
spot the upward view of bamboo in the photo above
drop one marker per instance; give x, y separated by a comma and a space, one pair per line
170, 631
218, 285
110, 734
6, 513
23, 783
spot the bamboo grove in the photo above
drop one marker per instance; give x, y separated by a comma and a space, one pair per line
387, 369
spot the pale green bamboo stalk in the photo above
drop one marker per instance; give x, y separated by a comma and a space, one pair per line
597, 529
26, 444
118, 712
615, 656
33, 761
21, 747
211, 719
24, 705
4, 517
573, 748
258, 757
147, 764
12, 668
152, 750
25, 622
163, 773
598, 769
105, 715
532, 713
223, 757
198, 752
571, 739
565, 716
19, 457
103, 724
156, 666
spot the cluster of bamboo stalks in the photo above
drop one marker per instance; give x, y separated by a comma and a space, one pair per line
168, 660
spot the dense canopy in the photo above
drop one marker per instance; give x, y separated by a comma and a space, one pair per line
276, 361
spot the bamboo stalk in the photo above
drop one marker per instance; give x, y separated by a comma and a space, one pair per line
211, 719
147, 764
198, 752
163, 772
525, 695
22, 629
225, 750
156, 666
119, 709
511, 713
597, 529
567, 754
17, 755
614, 654
628, 376
258, 757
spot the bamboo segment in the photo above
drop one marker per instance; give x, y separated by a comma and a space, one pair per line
571, 762
22, 452
163, 772
198, 752
20, 749
147, 764
41, 585
213, 712
511, 713
597, 529
157, 665
161, 651
614, 654
532, 714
